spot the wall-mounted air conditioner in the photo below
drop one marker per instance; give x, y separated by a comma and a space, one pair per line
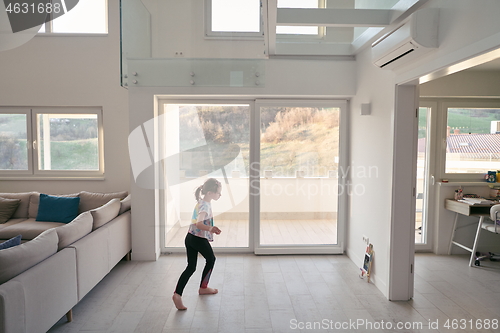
408, 42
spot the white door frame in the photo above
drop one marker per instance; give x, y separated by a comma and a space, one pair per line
402, 241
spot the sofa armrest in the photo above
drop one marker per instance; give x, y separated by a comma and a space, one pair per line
49, 290
12, 314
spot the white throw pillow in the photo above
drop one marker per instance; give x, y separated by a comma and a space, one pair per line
106, 213
93, 200
76, 229
17, 259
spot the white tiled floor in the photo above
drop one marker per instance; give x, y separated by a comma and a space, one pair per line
278, 293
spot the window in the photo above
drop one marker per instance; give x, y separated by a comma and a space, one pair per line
472, 139
87, 17
51, 142
233, 18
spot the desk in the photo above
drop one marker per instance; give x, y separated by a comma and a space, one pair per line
480, 211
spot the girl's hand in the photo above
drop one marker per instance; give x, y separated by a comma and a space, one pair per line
215, 230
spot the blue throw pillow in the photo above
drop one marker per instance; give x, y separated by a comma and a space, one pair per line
11, 242
57, 209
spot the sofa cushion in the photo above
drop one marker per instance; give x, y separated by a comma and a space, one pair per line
57, 209
7, 208
91, 200
17, 259
8, 224
14, 241
28, 228
76, 229
106, 213
22, 210
35, 201
126, 204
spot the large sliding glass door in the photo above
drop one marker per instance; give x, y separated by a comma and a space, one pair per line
295, 166
300, 160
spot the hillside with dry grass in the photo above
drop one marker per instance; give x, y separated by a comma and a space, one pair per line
291, 138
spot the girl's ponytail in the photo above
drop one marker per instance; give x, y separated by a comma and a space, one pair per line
197, 193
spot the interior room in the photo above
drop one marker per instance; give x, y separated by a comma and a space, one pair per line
327, 133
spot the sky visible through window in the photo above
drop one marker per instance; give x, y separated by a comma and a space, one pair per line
244, 16
236, 15
88, 16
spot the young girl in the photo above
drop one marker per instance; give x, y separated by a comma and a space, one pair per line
199, 235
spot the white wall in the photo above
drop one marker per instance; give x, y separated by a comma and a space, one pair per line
72, 71
371, 145
467, 83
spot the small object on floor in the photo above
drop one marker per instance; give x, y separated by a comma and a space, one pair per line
482, 256
367, 263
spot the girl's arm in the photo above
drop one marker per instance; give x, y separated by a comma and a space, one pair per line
200, 225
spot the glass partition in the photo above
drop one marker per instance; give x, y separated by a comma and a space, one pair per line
135, 34
196, 72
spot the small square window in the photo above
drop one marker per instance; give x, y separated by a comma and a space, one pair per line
87, 17
230, 18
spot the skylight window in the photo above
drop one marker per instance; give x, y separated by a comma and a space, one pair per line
298, 30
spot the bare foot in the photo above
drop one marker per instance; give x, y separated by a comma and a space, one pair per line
178, 302
207, 291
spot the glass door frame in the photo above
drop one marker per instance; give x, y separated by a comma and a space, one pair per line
256, 177
161, 192
431, 149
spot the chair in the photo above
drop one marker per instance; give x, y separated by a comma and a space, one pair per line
493, 225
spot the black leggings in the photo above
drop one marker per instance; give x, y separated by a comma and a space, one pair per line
194, 245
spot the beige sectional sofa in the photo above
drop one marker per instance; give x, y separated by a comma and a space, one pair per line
57, 263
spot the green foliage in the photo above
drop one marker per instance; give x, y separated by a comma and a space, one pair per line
64, 129
472, 120
13, 153
291, 139
74, 155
